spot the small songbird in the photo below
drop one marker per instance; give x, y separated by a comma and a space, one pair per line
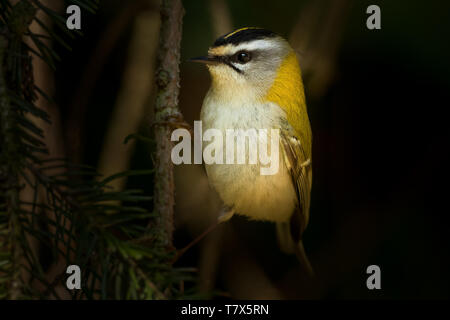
256, 83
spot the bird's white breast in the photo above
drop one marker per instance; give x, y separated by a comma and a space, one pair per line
241, 186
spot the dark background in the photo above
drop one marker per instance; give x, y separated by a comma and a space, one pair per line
380, 148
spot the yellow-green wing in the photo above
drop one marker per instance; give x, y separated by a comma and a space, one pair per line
299, 164
300, 167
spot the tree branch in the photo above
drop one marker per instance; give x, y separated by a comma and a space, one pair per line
167, 112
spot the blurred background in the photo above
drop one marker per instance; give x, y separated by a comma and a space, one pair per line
377, 102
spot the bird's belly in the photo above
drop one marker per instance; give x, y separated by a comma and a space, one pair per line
242, 186
260, 197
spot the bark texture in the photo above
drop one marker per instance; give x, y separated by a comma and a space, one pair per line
167, 113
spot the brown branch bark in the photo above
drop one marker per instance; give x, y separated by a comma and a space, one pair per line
167, 112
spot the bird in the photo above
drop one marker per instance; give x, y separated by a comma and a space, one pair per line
256, 83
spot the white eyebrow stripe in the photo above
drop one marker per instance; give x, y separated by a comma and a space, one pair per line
254, 45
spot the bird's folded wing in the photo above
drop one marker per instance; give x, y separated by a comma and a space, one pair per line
300, 167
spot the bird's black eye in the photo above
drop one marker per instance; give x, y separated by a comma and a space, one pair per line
243, 56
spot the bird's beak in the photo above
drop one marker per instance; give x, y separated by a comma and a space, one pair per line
207, 59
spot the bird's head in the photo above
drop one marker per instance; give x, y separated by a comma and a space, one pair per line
247, 62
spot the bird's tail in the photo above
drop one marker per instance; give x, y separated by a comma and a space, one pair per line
288, 245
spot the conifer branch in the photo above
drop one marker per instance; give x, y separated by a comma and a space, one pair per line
12, 157
100, 230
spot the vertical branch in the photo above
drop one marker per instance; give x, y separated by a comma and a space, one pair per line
167, 112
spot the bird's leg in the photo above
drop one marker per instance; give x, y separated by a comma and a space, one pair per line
195, 241
225, 214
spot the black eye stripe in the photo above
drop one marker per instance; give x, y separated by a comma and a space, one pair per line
230, 64
226, 60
